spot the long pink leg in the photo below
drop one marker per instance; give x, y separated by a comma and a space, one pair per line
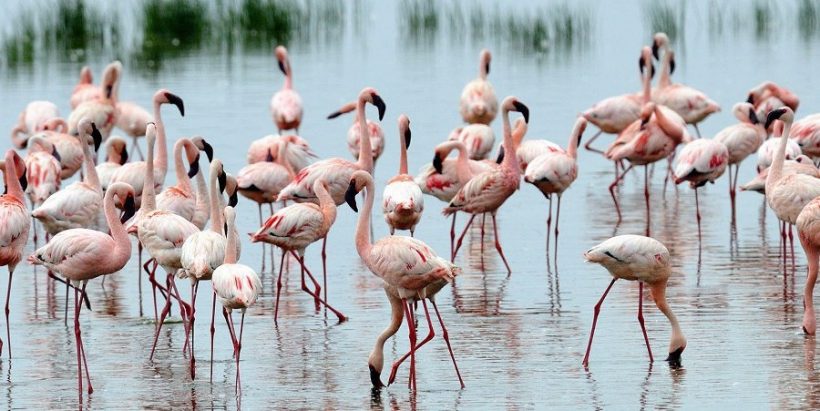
426, 339
446, 337
229, 321
324, 265
194, 291
557, 216
154, 284
8, 327
646, 195
483, 223
278, 289
213, 330
612, 190
184, 311
163, 314
588, 145
239, 350
259, 208
461, 237
549, 222
640, 320
79, 344
595, 322
498, 245
697, 212
453, 237
412, 374
139, 275
791, 246
305, 270
83, 296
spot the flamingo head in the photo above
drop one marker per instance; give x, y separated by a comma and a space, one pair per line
203, 145
163, 96
231, 188
659, 41
370, 95
645, 61
512, 103
358, 181
404, 129
282, 58
784, 114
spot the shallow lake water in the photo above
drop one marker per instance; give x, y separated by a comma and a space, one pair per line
519, 339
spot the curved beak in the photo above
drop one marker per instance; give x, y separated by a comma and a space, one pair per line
523, 109
674, 357
194, 167
177, 101
233, 200
655, 49
501, 155
350, 196
124, 156
96, 136
774, 115
282, 68
129, 209
209, 150
379, 103
375, 378
407, 138
437, 163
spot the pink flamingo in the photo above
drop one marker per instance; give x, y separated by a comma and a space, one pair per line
70, 149
293, 229
298, 151
528, 150
354, 133
202, 209
402, 199
478, 102
553, 173
806, 133
336, 171
81, 254
85, 90
237, 287
286, 105
180, 199
645, 260
767, 150
77, 205
102, 112
263, 181
701, 161
15, 222
132, 119
486, 192
116, 156
162, 233
411, 271
802, 165
808, 231
133, 173
33, 118
693, 105
787, 194
768, 96
741, 139
43, 170
478, 138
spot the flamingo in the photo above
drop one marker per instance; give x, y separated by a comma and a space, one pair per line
478, 102
486, 192
411, 271
553, 173
204, 251
802, 165
236, 285
162, 233
298, 151
293, 229
286, 105
180, 199
336, 171
15, 223
645, 260
133, 173
478, 138
806, 133
85, 89
263, 181
102, 112
70, 149
116, 157
402, 199
33, 119
701, 161
768, 96
767, 150
43, 170
693, 105
741, 139
354, 133
808, 231
132, 119
77, 205
202, 209
787, 194
81, 254
530, 149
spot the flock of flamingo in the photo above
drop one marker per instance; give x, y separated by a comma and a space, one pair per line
171, 223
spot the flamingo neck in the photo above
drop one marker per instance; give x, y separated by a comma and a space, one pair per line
365, 150
572, 145
230, 249
122, 244
183, 182
162, 148
148, 202
363, 244
282, 158
668, 126
776, 170
658, 292
403, 154
510, 161
664, 79
288, 76
216, 211
462, 162
90, 170
13, 186
376, 358
646, 82
327, 205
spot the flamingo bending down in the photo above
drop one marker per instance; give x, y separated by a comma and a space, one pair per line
14, 223
236, 285
478, 102
336, 171
701, 161
486, 192
645, 260
116, 156
478, 138
354, 133
411, 271
293, 229
85, 89
808, 231
77, 205
402, 201
286, 105
801, 165
33, 119
553, 173
81, 254
299, 153
263, 181
741, 140
102, 112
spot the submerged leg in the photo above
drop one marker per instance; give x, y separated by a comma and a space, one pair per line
595, 321
316, 296
498, 245
447, 341
461, 237
640, 320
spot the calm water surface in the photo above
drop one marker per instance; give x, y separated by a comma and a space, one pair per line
519, 339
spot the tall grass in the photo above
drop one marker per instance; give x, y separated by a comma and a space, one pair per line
668, 17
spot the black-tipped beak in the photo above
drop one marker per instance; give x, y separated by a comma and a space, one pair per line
222, 178
177, 101
753, 116
209, 151
225, 228
375, 377
55, 153
487, 68
641, 64
124, 157
333, 115
129, 208
501, 155
282, 68
671, 65
233, 200
379, 103
437, 164
108, 91
23, 181
751, 99
524, 110
96, 136
655, 49
651, 71
774, 115
350, 196
194, 167
407, 138
675, 356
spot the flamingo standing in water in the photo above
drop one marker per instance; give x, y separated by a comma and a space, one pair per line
15, 223
85, 89
553, 173
402, 199
298, 151
701, 161
286, 105
411, 271
70, 149
236, 285
293, 229
645, 260
478, 102
180, 198
103, 112
741, 139
81, 254
808, 231
262, 182
802, 165
787, 194
354, 133
33, 119
116, 156
486, 192
478, 138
